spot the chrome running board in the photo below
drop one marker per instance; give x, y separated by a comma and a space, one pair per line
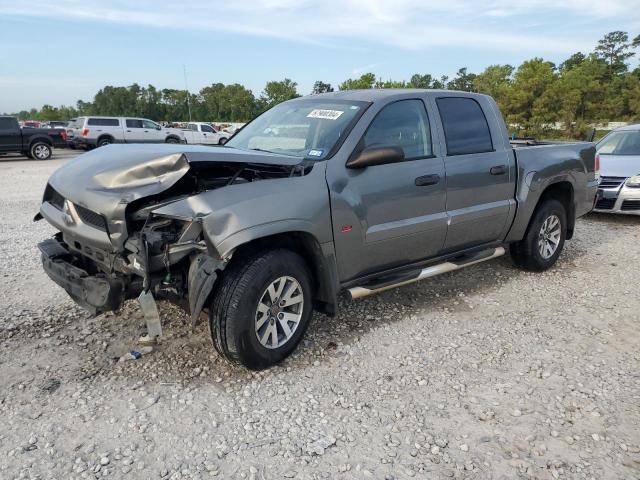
449, 266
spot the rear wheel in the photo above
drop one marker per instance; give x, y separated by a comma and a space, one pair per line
172, 140
544, 239
40, 151
104, 141
261, 308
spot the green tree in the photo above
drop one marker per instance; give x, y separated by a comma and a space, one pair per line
321, 87
365, 81
277, 92
495, 80
521, 102
420, 81
577, 96
614, 48
390, 84
463, 81
573, 61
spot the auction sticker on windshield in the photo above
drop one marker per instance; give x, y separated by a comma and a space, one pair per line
325, 114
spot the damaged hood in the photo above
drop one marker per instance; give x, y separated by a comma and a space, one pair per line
116, 175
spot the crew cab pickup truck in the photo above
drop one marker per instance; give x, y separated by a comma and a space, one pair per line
204, 134
36, 143
360, 191
91, 132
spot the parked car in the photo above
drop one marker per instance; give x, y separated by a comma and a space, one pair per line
36, 143
94, 131
619, 157
370, 190
31, 124
204, 134
55, 124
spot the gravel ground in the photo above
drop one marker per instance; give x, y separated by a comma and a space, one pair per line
490, 372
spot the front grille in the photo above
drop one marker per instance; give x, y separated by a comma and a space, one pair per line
611, 182
630, 205
605, 203
91, 218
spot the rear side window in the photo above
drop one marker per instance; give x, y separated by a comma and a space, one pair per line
8, 124
207, 129
403, 124
465, 127
131, 123
103, 122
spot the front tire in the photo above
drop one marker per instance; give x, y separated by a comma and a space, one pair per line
261, 308
40, 151
222, 141
544, 240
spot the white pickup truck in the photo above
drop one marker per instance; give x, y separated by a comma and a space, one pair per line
204, 134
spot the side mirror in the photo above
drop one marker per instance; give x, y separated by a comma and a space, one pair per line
376, 155
159, 127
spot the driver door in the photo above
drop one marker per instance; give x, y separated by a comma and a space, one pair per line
392, 214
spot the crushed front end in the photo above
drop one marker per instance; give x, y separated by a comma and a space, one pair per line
115, 238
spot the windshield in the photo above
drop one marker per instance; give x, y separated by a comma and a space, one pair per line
620, 143
311, 128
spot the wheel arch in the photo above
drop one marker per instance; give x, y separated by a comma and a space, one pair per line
320, 260
105, 135
563, 192
40, 138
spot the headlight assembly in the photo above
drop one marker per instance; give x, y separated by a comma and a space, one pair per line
633, 182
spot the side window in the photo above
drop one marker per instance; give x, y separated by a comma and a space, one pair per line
8, 124
403, 124
103, 122
193, 127
207, 129
465, 127
149, 124
131, 123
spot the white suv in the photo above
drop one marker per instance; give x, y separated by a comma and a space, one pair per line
89, 132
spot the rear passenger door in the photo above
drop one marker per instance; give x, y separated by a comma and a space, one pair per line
480, 173
10, 135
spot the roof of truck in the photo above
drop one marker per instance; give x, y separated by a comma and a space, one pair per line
373, 94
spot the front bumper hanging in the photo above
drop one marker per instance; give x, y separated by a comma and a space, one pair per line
96, 293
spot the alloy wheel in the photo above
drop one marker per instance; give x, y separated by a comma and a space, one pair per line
549, 236
279, 312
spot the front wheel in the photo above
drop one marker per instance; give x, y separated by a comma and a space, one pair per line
544, 239
40, 151
261, 308
222, 141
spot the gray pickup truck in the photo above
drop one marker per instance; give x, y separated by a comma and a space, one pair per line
357, 190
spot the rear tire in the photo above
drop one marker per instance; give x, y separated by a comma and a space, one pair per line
261, 308
544, 240
104, 141
172, 140
40, 151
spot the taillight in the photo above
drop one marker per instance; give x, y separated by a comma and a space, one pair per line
597, 167
85, 132
63, 135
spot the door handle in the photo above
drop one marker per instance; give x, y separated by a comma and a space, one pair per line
427, 180
498, 170
129, 131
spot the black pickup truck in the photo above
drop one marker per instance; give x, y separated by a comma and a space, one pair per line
36, 143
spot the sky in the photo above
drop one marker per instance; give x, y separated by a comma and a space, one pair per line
57, 52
